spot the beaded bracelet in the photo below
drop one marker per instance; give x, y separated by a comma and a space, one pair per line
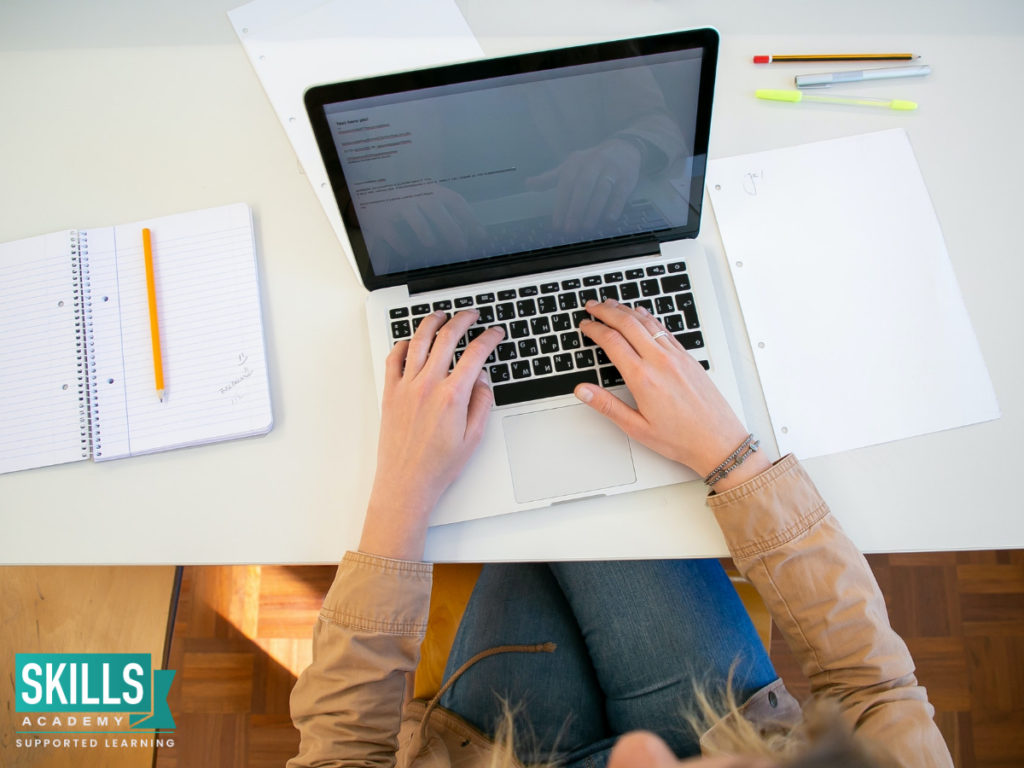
733, 460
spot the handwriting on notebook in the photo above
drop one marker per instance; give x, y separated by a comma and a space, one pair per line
243, 373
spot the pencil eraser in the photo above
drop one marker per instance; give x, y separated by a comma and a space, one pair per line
762, 59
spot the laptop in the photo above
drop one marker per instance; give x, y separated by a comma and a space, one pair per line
522, 187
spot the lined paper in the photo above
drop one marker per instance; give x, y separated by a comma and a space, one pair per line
40, 403
211, 334
76, 360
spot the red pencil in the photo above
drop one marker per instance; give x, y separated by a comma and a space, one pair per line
836, 57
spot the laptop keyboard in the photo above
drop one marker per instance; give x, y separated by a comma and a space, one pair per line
544, 354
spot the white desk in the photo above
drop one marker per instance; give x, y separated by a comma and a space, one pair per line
113, 112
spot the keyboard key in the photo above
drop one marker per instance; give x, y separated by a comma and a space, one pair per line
506, 351
400, 329
645, 303
567, 301
499, 373
610, 377
549, 344
692, 340
629, 291
534, 389
416, 322
540, 326
485, 298
592, 280
526, 308
587, 294
706, 364
505, 311
613, 277
609, 292
520, 370
506, 295
421, 309
542, 366
527, 347
561, 322
570, 285
518, 328
461, 343
549, 288
463, 301
676, 266
634, 274
570, 340
473, 332
649, 287
486, 315
674, 323
445, 304
656, 269
563, 363
675, 283
584, 358
546, 304
528, 290
664, 305
399, 312
685, 304
602, 357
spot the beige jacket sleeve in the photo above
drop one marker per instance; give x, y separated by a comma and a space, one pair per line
822, 594
347, 704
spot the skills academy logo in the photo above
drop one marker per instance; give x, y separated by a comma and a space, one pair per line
125, 698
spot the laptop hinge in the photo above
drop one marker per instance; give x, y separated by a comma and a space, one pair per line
542, 263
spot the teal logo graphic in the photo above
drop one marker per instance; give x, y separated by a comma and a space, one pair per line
95, 682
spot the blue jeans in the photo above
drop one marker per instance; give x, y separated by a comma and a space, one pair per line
633, 638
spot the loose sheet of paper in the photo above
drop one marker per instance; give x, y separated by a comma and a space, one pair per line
855, 318
294, 45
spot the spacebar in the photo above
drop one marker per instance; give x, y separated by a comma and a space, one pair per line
534, 389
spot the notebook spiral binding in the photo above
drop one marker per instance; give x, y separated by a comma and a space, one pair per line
79, 244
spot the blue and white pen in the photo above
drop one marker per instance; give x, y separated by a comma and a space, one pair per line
883, 73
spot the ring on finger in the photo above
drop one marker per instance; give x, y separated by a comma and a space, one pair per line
659, 334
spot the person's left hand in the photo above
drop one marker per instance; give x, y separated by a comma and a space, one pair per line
431, 420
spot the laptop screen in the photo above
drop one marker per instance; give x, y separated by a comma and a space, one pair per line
519, 158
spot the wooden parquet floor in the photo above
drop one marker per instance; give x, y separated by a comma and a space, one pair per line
242, 634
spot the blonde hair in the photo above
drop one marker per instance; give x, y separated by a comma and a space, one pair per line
821, 738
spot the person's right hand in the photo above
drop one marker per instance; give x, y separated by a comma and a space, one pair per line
679, 412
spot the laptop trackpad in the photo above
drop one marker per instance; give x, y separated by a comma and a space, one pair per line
565, 450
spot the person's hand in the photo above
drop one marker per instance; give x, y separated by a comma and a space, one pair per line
591, 185
431, 420
679, 412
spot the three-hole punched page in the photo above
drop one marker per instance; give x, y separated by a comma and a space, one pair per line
855, 318
76, 355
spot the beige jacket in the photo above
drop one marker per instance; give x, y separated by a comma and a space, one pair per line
348, 705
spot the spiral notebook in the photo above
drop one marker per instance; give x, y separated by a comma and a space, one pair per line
76, 358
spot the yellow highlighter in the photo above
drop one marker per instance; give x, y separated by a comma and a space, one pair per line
858, 101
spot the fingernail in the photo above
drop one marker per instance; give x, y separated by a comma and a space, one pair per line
642, 310
591, 303
611, 302
440, 313
584, 393
484, 377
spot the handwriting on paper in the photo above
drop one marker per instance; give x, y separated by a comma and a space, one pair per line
243, 372
751, 182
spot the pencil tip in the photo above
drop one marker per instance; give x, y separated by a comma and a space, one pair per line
160, 394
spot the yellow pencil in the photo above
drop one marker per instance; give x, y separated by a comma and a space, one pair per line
154, 327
